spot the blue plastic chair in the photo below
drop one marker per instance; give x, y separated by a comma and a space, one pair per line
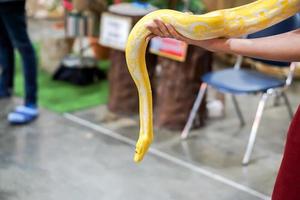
236, 81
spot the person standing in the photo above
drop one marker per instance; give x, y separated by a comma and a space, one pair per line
14, 35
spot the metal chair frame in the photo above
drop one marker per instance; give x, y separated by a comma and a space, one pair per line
280, 92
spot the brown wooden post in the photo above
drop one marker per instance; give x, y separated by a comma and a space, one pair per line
177, 87
123, 96
173, 4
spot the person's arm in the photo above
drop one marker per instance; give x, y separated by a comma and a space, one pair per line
283, 47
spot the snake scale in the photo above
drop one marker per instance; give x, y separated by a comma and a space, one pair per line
222, 23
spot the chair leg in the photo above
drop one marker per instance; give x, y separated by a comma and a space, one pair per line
288, 104
277, 99
193, 112
238, 110
254, 129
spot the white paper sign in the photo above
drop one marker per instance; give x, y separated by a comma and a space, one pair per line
115, 30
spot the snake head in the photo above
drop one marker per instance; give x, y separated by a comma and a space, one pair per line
142, 147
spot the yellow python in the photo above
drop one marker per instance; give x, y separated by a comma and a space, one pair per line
222, 23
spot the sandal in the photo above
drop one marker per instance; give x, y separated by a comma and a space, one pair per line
23, 115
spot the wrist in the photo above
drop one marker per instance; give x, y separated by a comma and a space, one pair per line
215, 45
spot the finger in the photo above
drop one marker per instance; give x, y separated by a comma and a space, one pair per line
162, 27
154, 29
174, 33
149, 37
178, 36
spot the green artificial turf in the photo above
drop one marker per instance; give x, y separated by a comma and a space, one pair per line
63, 97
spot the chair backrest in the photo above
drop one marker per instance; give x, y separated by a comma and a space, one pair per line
287, 25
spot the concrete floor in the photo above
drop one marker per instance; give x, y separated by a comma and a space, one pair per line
88, 155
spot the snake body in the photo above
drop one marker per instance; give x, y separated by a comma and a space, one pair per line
222, 23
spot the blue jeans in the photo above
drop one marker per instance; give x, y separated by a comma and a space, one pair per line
13, 35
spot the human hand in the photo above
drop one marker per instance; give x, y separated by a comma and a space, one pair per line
159, 28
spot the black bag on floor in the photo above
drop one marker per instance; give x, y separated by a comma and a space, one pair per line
78, 71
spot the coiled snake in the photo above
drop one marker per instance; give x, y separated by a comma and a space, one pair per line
222, 23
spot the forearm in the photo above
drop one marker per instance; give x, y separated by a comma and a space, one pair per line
283, 47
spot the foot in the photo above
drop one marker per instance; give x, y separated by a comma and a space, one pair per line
23, 115
5, 95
